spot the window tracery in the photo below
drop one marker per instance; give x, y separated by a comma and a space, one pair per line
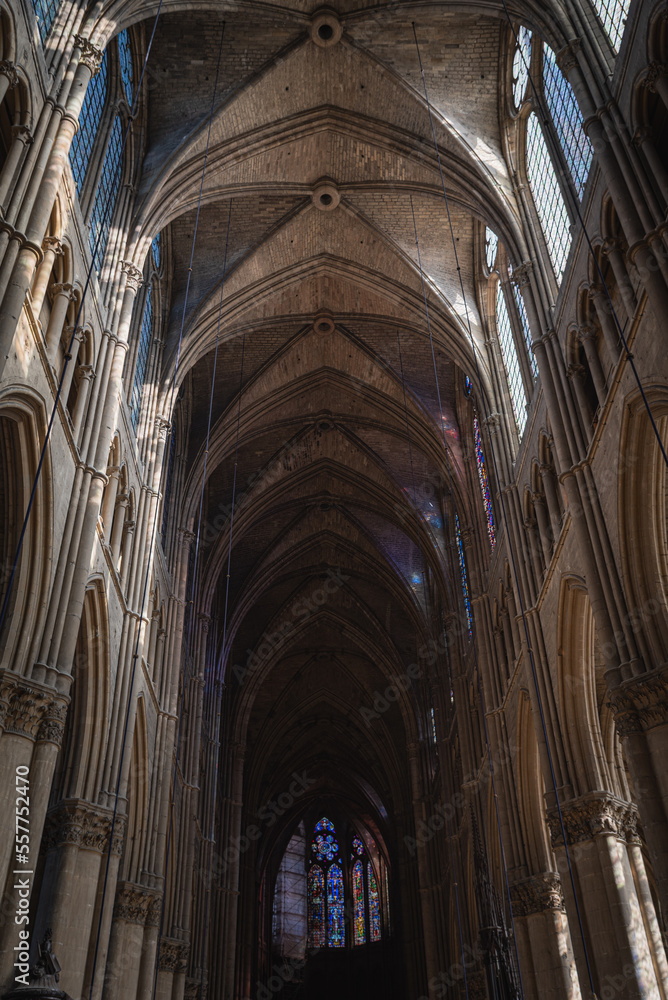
547, 196
567, 120
90, 117
510, 360
127, 72
521, 63
612, 15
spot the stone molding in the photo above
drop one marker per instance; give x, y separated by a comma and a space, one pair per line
173, 955
84, 825
537, 894
592, 815
31, 711
91, 55
135, 904
8, 69
641, 703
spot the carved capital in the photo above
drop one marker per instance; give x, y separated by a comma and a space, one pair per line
654, 71
612, 244
567, 58
53, 244
537, 894
23, 134
133, 903
492, 422
592, 815
575, 371
25, 709
173, 955
586, 332
522, 274
88, 827
640, 704
63, 289
163, 426
8, 69
91, 55
134, 275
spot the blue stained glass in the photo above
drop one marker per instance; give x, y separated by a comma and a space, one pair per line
374, 905
521, 61
462, 570
567, 119
127, 71
524, 320
547, 197
316, 908
156, 250
325, 847
491, 246
324, 824
359, 909
358, 846
168, 486
45, 13
336, 934
484, 484
107, 193
468, 385
142, 360
510, 360
89, 123
612, 15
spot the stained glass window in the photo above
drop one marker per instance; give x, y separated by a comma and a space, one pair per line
336, 933
612, 15
89, 123
462, 570
156, 250
567, 119
324, 824
432, 722
127, 71
468, 385
325, 847
142, 360
526, 331
359, 908
316, 907
510, 360
358, 846
45, 13
484, 483
105, 198
168, 485
374, 905
547, 197
521, 61
491, 246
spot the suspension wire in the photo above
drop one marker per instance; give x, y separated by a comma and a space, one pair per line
549, 130
153, 535
107, 211
452, 493
453, 867
215, 741
509, 539
186, 678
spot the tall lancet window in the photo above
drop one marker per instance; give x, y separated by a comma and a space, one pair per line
326, 903
612, 15
567, 120
548, 199
462, 572
484, 483
45, 14
90, 117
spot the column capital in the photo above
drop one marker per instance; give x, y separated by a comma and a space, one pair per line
610, 244
655, 70
85, 825
592, 815
23, 134
134, 275
8, 69
63, 288
640, 703
91, 55
522, 274
163, 426
134, 903
567, 58
537, 894
575, 372
586, 332
492, 422
30, 710
53, 244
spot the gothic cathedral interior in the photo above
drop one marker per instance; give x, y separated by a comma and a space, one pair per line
334, 499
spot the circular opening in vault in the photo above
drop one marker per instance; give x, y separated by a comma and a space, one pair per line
323, 326
325, 31
325, 199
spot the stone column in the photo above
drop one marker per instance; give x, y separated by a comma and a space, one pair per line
132, 907
599, 827
576, 374
109, 499
551, 496
8, 77
613, 248
587, 338
603, 312
63, 294
544, 936
87, 375
21, 139
115, 542
70, 360
643, 139
86, 58
51, 248
544, 529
